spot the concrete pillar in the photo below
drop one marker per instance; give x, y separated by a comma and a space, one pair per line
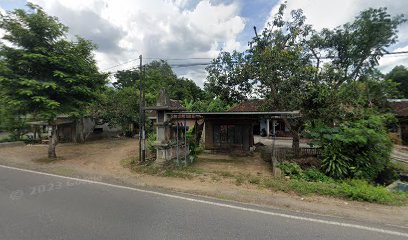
273, 127
267, 127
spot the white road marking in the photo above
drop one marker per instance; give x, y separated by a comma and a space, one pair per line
315, 220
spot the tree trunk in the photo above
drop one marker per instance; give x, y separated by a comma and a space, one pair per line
295, 142
294, 129
52, 143
81, 130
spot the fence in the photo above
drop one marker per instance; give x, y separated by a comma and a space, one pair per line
285, 153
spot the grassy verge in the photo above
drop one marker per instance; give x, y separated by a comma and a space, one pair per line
163, 171
352, 189
349, 189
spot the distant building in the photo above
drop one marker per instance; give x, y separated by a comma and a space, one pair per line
266, 125
400, 108
69, 129
219, 131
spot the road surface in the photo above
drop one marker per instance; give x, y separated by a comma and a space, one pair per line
45, 206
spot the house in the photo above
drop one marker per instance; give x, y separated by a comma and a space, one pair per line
235, 130
270, 126
219, 131
400, 109
69, 129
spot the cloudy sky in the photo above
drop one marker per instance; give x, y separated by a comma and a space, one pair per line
193, 31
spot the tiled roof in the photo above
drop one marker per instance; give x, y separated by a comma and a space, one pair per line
176, 105
400, 107
254, 105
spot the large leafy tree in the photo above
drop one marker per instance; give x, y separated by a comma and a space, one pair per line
228, 79
43, 74
297, 68
119, 107
399, 74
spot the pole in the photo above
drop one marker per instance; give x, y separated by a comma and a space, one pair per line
141, 112
177, 143
185, 140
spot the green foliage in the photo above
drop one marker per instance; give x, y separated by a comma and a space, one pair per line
399, 74
351, 189
159, 75
354, 149
226, 79
126, 78
43, 73
151, 140
13, 123
290, 169
314, 175
294, 171
119, 107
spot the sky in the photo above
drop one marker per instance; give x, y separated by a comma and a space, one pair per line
191, 29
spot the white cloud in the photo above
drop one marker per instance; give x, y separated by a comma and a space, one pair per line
390, 61
2, 32
155, 28
330, 14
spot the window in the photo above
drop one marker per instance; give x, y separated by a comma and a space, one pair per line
227, 134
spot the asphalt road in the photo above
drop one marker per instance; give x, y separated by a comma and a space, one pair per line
37, 206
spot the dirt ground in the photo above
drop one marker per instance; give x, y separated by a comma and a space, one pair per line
104, 159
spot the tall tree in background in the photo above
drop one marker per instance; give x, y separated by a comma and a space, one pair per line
297, 68
399, 74
228, 79
42, 73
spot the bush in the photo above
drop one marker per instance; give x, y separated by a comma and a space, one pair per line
354, 149
295, 171
291, 169
314, 175
151, 139
359, 190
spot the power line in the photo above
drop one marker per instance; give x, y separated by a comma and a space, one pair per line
208, 63
120, 64
179, 59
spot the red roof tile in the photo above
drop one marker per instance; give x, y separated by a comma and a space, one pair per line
400, 107
254, 105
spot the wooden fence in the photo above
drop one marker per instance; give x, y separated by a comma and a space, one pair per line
285, 153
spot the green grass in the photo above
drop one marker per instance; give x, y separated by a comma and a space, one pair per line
310, 184
351, 189
403, 167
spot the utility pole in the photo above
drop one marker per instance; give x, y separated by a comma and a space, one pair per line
142, 150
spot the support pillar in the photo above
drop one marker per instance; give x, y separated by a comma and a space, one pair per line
267, 127
273, 127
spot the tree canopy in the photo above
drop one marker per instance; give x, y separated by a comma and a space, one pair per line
42, 73
399, 74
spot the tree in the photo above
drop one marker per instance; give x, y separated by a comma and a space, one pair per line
126, 78
355, 48
227, 78
356, 148
399, 74
297, 68
159, 75
44, 74
282, 66
119, 107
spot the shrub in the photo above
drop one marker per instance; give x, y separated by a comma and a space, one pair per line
291, 169
359, 190
314, 175
151, 139
354, 149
